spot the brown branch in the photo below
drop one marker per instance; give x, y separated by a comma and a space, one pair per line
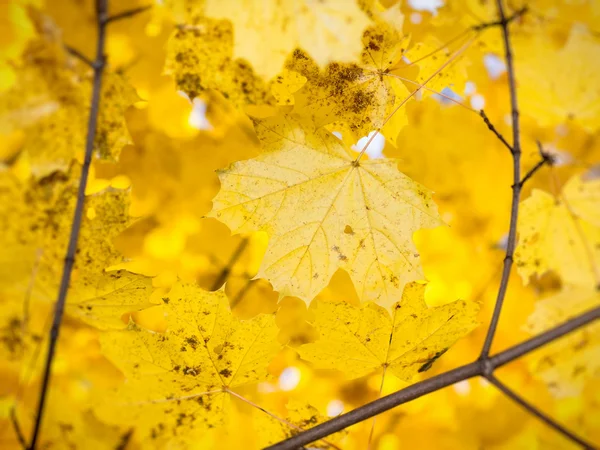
483, 367
224, 274
128, 13
516, 188
17, 428
98, 66
493, 129
536, 412
496, 23
76, 53
547, 158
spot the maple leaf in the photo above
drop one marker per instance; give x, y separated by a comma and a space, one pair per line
80, 429
363, 94
103, 301
566, 365
360, 340
178, 381
199, 57
300, 416
569, 88
328, 30
285, 85
324, 210
50, 101
561, 233
35, 245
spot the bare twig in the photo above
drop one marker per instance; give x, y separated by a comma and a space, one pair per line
17, 428
98, 66
76, 53
517, 14
516, 188
493, 129
480, 367
547, 158
536, 412
126, 14
224, 274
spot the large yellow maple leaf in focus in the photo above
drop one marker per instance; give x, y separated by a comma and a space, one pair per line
266, 31
178, 381
324, 209
360, 340
561, 233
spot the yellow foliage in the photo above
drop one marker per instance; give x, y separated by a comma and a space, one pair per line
561, 233
321, 266
362, 214
569, 89
365, 94
359, 340
328, 30
177, 380
566, 365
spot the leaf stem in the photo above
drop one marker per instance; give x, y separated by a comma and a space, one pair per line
413, 93
270, 414
98, 66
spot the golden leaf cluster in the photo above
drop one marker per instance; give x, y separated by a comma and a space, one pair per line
294, 208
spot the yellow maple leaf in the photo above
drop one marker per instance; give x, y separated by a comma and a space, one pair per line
36, 221
199, 57
104, 299
569, 363
323, 210
360, 340
363, 94
569, 87
178, 381
328, 30
300, 416
285, 85
50, 101
561, 234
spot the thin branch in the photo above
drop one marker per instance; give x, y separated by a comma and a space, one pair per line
274, 416
547, 158
98, 65
493, 129
436, 383
222, 277
536, 412
76, 53
379, 406
496, 23
512, 353
240, 295
516, 188
126, 14
17, 428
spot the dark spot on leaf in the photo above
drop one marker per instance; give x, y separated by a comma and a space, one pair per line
431, 360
